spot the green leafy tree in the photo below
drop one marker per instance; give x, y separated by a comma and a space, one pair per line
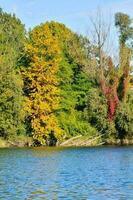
124, 120
124, 24
97, 113
11, 95
74, 82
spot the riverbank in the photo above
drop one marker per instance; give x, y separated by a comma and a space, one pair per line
78, 141
83, 141
98, 140
19, 141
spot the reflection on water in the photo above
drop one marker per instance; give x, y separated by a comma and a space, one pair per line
66, 173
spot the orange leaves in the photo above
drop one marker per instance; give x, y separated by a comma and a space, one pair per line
41, 81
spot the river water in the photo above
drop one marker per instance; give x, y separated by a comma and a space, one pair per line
66, 173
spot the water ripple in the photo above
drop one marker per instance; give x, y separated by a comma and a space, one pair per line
66, 173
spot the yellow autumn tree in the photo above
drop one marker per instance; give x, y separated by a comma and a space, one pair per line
41, 84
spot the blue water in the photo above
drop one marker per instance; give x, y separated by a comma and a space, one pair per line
66, 173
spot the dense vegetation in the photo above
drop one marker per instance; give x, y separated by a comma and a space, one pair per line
56, 84
12, 36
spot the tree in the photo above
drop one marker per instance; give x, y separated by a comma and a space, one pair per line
123, 23
12, 38
41, 84
11, 101
124, 120
97, 111
107, 74
113, 80
74, 82
11, 95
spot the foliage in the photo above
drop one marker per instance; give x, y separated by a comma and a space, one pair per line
97, 112
12, 37
11, 95
74, 83
124, 120
41, 83
123, 22
56, 84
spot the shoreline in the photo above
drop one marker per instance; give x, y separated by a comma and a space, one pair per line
78, 141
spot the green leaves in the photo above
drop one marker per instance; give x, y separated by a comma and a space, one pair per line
61, 95
123, 22
11, 84
124, 120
